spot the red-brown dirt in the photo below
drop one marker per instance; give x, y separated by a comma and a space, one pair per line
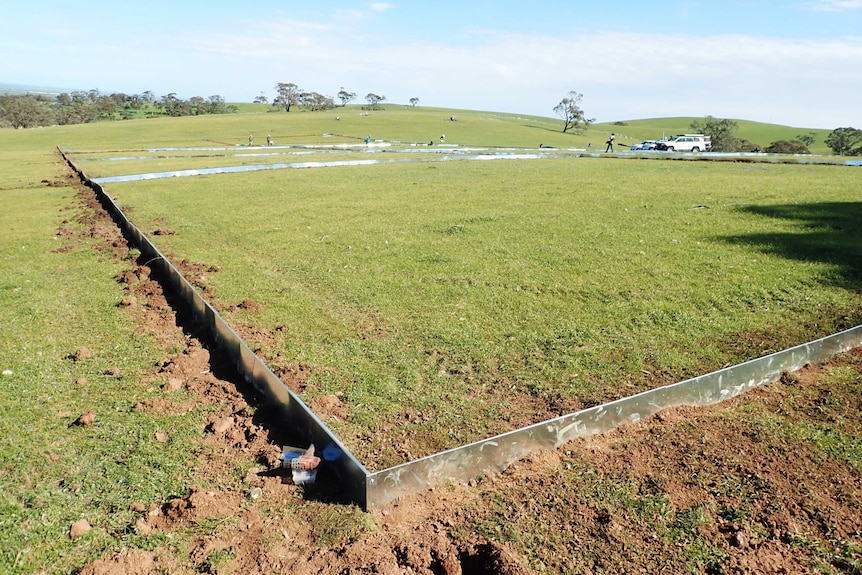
725, 489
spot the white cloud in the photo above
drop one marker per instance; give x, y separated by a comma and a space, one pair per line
382, 6
833, 5
622, 75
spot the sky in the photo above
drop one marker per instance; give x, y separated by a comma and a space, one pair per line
796, 62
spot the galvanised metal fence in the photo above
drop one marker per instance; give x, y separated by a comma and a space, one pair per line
370, 490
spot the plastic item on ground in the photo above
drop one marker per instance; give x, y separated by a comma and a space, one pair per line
302, 463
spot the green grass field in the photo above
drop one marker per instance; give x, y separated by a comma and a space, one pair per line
489, 295
460, 289
445, 301
53, 303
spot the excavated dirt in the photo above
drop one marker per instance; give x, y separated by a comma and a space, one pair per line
715, 490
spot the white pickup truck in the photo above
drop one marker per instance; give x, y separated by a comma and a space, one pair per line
686, 143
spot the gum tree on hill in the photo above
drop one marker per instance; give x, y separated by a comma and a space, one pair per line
288, 95
345, 96
25, 111
315, 101
720, 132
569, 110
845, 141
374, 99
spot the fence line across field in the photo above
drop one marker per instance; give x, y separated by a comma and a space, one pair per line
370, 490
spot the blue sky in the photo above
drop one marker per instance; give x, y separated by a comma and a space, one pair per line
797, 62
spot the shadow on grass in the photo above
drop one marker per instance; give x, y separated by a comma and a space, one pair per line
828, 232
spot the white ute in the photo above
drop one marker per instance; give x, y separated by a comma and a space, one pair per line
686, 143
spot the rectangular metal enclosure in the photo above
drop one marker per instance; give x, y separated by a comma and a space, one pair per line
494, 454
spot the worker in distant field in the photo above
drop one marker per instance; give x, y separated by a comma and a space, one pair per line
251, 139
367, 140
269, 139
610, 147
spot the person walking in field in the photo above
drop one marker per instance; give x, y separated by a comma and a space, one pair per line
610, 147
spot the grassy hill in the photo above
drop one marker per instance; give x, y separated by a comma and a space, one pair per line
396, 123
507, 129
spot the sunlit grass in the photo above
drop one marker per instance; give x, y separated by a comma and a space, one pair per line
573, 278
562, 281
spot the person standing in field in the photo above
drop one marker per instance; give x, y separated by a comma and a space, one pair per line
251, 139
610, 147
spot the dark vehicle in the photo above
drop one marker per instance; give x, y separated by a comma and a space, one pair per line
644, 146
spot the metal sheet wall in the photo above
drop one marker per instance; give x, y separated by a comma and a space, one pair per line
490, 455
298, 418
496, 453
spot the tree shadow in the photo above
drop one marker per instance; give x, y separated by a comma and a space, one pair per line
828, 232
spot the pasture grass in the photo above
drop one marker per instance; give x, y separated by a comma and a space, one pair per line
53, 303
457, 290
372, 269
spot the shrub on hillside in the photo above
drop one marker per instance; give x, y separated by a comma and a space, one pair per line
743, 145
787, 147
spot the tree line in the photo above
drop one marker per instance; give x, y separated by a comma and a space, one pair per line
290, 95
80, 107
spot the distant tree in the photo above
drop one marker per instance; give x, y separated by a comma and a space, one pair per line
134, 102
107, 106
174, 106
77, 108
261, 99
25, 111
787, 147
197, 106
808, 138
719, 131
288, 95
845, 141
569, 110
148, 97
345, 96
414, 101
374, 99
131, 105
315, 101
216, 105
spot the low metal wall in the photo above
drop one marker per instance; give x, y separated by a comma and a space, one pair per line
496, 453
463, 463
298, 418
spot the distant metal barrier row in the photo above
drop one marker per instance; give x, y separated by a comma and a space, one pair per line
370, 490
